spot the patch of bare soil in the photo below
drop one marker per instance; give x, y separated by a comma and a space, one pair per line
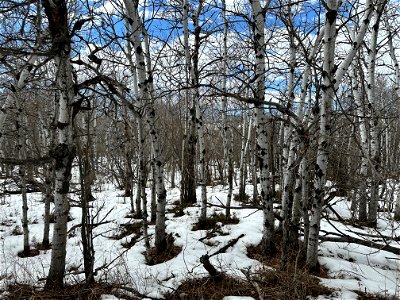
69, 292
213, 222
155, 256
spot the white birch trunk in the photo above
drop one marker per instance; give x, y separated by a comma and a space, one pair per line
301, 198
21, 150
247, 123
362, 201
140, 152
254, 168
328, 94
141, 184
291, 143
258, 14
64, 154
15, 89
362, 205
224, 98
202, 163
331, 82
199, 114
160, 235
188, 177
395, 62
144, 87
374, 123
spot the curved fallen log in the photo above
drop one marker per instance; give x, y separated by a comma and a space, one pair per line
350, 239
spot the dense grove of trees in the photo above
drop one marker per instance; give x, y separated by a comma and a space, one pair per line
285, 95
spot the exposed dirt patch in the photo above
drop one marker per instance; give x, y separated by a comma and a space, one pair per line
155, 256
41, 247
73, 292
366, 296
128, 229
213, 222
296, 257
294, 282
32, 252
265, 284
212, 288
177, 209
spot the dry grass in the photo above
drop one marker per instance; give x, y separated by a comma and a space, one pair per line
265, 284
154, 256
212, 222
296, 258
41, 247
367, 296
294, 282
241, 198
128, 229
32, 252
212, 288
283, 285
73, 292
177, 209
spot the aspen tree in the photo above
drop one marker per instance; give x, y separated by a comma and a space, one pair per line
328, 94
358, 96
246, 126
291, 141
145, 96
374, 122
227, 136
64, 151
258, 16
188, 181
396, 67
332, 76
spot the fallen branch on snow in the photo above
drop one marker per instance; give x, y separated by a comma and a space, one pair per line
350, 239
205, 259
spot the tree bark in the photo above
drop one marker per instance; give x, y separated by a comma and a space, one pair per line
362, 201
64, 152
258, 13
230, 175
224, 97
145, 96
291, 141
188, 182
243, 152
86, 180
48, 197
21, 150
374, 121
328, 93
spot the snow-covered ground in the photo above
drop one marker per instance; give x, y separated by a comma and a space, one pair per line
351, 267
